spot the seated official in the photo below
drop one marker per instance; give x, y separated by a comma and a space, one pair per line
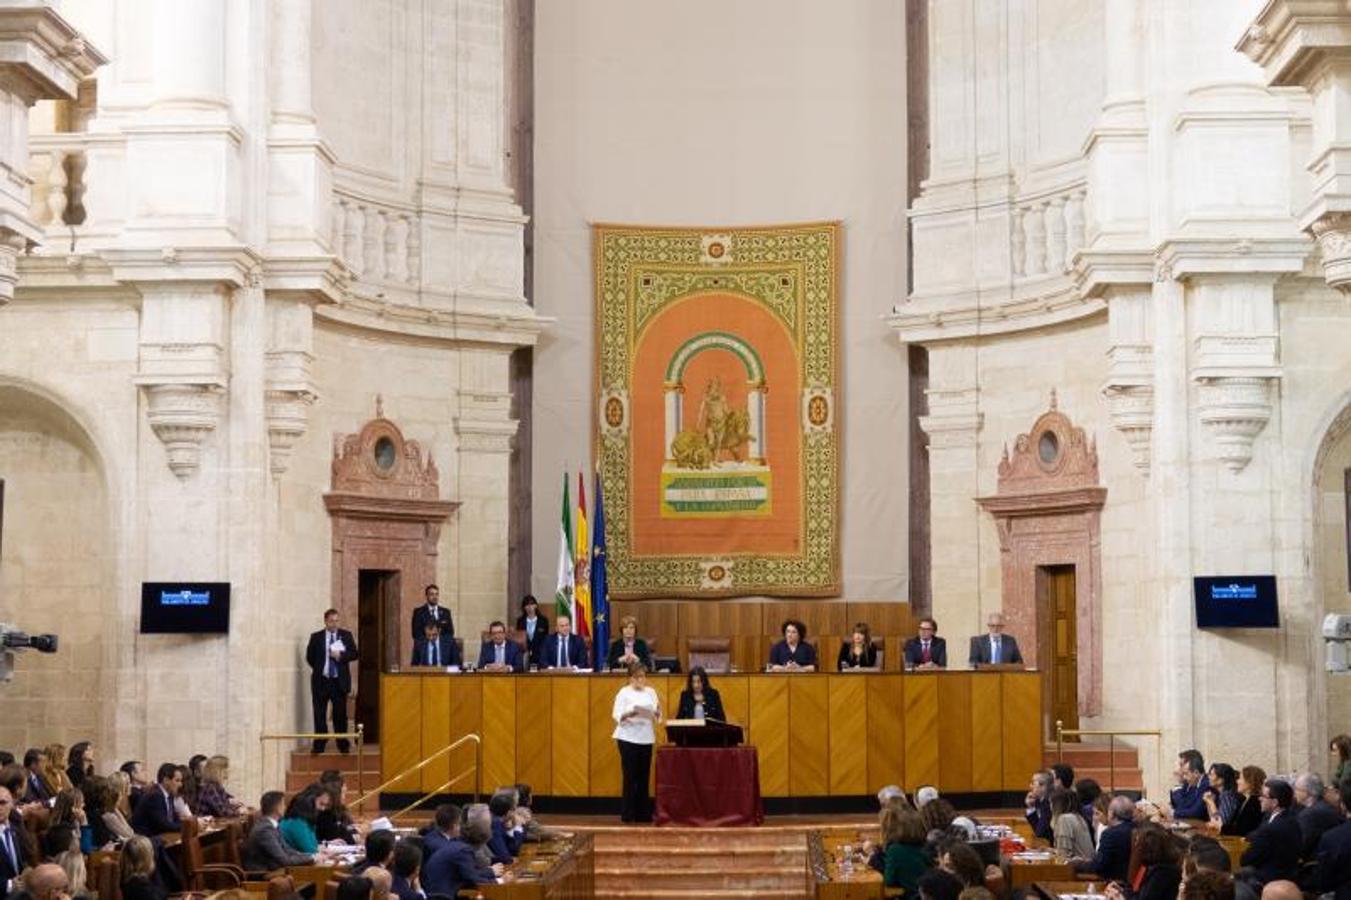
444, 828
793, 653
1156, 863
297, 827
904, 859
156, 813
926, 650
700, 700
535, 626
406, 867
628, 647
1273, 849
212, 797
507, 834
435, 648
995, 648
564, 650
1113, 855
1187, 800
264, 850
499, 654
455, 865
858, 652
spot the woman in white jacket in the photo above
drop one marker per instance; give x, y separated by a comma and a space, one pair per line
637, 710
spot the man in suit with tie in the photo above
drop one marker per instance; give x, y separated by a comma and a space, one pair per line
330, 654
264, 849
563, 650
13, 846
1273, 849
435, 648
155, 814
499, 654
995, 648
1112, 860
432, 611
927, 650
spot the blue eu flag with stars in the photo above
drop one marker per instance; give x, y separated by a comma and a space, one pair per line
600, 604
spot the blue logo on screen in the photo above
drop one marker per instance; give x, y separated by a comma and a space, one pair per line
185, 598
1233, 591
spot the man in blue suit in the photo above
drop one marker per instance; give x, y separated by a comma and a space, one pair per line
1114, 847
435, 648
564, 650
455, 866
444, 828
499, 654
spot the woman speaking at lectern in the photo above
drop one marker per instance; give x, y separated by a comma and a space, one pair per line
636, 712
700, 700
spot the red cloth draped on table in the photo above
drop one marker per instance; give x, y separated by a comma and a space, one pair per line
708, 786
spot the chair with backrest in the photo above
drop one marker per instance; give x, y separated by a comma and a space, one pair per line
200, 875
713, 654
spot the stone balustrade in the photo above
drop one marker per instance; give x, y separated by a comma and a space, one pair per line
56, 165
1047, 231
380, 242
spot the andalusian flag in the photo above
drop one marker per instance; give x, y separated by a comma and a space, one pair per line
566, 581
600, 606
581, 623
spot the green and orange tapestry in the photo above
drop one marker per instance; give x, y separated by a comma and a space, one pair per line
716, 376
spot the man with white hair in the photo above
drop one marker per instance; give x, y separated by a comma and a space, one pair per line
1315, 815
994, 648
889, 793
926, 794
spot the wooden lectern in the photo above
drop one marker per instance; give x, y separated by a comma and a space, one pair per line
703, 733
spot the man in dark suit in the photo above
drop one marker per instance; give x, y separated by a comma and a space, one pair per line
155, 814
927, 650
435, 648
563, 650
330, 654
1334, 862
499, 654
1273, 849
140, 781
432, 611
264, 849
1038, 803
535, 626
1314, 814
1114, 846
14, 855
454, 866
995, 648
37, 789
445, 826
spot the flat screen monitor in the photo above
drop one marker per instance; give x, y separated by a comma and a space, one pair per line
185, 607
1236, 601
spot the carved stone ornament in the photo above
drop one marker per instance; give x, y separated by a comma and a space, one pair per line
182, 416
287, 414
1333, 233
1131, 407
1055, 453
1234, 410
379, 462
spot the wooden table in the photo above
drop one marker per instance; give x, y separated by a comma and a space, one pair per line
1053, 890
1024, 873
863, 883
550, 870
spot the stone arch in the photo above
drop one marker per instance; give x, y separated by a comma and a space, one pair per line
756, 388
1328, 473
57, 566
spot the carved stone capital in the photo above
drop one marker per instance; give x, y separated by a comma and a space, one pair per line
287, 413
1332, 231
1131, 407
1234, 409
182, 416
954, 419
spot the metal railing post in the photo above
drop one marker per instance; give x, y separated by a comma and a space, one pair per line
1059, 741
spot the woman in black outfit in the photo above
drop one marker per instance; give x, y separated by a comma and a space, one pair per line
535, 626
858, 652
1249, 814
700, 699
1155, 868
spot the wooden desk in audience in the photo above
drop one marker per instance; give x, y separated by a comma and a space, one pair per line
818, 735
553, 870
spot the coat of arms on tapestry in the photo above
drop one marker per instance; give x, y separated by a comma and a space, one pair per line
717, 387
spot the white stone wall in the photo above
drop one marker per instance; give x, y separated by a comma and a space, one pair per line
711, 114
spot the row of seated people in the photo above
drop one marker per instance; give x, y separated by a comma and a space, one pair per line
39, 838
536, 648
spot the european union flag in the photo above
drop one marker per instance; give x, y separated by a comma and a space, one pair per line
600, 603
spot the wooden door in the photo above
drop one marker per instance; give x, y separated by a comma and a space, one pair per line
377, 639
1056, 609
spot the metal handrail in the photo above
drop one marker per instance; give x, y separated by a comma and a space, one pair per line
1111, 734
359, 736
472, 770
478, 767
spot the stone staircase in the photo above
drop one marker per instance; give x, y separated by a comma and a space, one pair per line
1095, 761
687, 863
304, 768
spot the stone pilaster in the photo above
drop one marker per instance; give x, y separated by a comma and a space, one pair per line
1129, 388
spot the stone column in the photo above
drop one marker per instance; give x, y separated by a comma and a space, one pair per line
189, 53
41, 57
292, 66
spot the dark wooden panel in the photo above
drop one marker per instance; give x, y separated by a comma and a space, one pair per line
820, 616
883, 618
954, 731
534, 732
707, 618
